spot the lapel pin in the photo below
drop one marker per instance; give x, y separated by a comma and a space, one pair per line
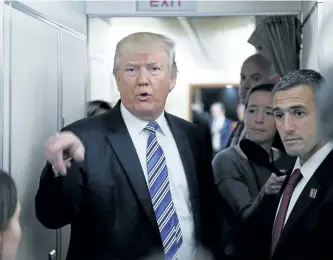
313, 193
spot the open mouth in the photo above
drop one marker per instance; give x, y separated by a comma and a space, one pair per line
143, 96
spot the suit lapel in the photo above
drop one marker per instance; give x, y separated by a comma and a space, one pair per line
123, 146
184, 148
310, 193
302, 204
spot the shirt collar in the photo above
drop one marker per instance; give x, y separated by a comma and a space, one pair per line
137, 125
312, 164
219, 119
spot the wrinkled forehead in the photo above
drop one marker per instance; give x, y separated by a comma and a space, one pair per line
143, 50
142, 45
252, 68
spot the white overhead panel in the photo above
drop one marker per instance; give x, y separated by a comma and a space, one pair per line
114, 8
193, 37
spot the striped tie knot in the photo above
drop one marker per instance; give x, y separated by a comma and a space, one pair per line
152, 127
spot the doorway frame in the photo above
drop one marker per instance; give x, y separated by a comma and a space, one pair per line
193, 87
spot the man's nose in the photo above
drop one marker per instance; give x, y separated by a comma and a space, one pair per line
143, 77
289, 126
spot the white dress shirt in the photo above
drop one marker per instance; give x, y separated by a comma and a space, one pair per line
307, 170
217, 125
176, 173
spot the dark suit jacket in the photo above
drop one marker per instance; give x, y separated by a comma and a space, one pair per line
106, 199
225, 133
308, 233
204, 126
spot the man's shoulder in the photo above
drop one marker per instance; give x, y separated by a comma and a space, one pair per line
182, 123
85, 125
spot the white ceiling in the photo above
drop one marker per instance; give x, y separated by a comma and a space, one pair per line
214, 42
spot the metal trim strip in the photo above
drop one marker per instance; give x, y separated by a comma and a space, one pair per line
29, 11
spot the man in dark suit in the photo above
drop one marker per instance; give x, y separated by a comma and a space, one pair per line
135, 182
298, 223
221, 127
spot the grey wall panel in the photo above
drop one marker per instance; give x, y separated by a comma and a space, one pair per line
6, 88
100, 59
73, 70
1, 83
65, 237
33, 119
73, 78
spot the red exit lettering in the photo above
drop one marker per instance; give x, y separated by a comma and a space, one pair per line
165, 3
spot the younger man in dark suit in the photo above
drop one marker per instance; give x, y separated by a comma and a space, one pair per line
298, 224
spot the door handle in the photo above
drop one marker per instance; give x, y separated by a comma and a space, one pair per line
62, 122
52, 255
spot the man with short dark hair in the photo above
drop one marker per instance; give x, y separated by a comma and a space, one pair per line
298, 225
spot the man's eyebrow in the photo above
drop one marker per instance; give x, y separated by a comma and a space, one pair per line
134, 63
297, 107
255, 74
251, 75
276, 109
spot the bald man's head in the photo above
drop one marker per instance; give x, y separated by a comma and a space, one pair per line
255, 70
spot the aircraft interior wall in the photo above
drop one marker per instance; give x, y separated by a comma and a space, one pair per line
44, 72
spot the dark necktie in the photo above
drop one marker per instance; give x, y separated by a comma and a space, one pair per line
295, 177
160, 194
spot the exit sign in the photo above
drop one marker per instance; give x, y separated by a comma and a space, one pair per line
166, 5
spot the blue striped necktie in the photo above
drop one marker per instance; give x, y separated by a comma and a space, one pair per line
160, 194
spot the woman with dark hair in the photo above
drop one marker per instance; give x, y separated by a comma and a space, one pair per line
242, 184
97, 107
10, 230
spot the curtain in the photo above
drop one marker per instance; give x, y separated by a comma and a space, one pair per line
278, 38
